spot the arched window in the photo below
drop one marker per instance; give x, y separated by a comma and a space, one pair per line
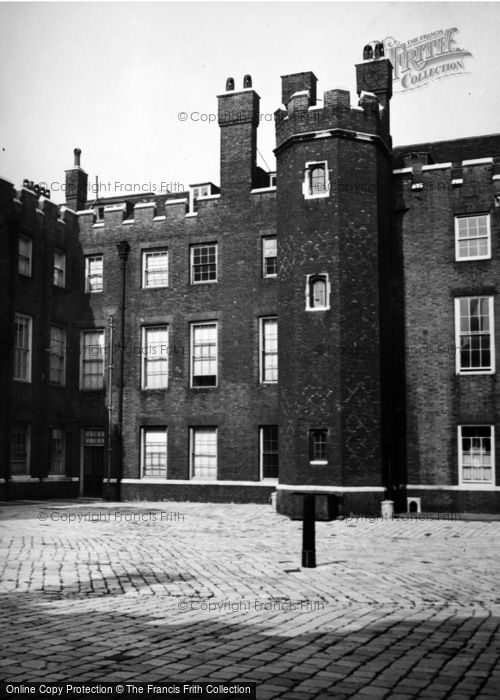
316, 181
317, 292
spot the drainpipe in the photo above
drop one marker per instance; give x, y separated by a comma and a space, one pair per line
110, 406
123, 251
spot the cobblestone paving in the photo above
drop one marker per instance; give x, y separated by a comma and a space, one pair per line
208, 592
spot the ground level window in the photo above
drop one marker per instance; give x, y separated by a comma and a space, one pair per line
154, 453
19, 449
56, 451
476, 454
204, 453
269, 454
317, 446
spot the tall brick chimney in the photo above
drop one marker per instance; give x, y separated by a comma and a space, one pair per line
76, 185
375, 75
298, 82
238, 120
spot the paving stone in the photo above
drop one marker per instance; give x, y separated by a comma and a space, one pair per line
108, 600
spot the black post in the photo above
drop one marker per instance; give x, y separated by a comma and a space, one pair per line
309, 532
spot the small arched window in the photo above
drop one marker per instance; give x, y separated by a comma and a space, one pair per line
317, 292
316, 181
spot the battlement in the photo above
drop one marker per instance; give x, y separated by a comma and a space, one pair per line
337, 113
301, 115
472, 184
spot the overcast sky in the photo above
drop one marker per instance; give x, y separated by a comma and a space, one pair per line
111, 79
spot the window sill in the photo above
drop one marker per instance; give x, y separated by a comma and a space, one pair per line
318, 462
475, 373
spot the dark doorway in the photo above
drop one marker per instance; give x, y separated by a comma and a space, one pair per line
93, 462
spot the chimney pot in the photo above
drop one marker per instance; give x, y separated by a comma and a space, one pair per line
77, 153
367, 53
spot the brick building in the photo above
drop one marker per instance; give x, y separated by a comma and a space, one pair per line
146, 333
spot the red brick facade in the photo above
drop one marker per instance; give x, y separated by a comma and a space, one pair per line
364, 292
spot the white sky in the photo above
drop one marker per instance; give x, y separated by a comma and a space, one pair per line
111, 78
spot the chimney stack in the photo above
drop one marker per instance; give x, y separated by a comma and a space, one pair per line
238, 121
76, 185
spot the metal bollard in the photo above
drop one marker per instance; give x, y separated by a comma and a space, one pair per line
309, 532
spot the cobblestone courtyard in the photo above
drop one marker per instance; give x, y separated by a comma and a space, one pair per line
214, 592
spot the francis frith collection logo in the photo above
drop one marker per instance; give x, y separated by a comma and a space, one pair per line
419, 61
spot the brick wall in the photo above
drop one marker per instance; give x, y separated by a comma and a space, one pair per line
438, 399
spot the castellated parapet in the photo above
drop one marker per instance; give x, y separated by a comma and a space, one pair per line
337, 116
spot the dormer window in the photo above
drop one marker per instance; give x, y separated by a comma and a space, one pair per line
316, 181
317, 292
204, 189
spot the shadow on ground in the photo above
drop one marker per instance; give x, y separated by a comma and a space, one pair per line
348, 651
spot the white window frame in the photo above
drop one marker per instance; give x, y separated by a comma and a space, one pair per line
144, 432
458, 367
28, 350
28, 256
27, 432
88, 260
475, 484
192, 444
261, 454
151, 254
62, 353
60, 257
83, 334
264, 257
460, 258
307, 186
191, 254
62, 467
148, 358
262, 321
194, 325
309, 282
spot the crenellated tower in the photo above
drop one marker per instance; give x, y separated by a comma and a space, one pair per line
334, 310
